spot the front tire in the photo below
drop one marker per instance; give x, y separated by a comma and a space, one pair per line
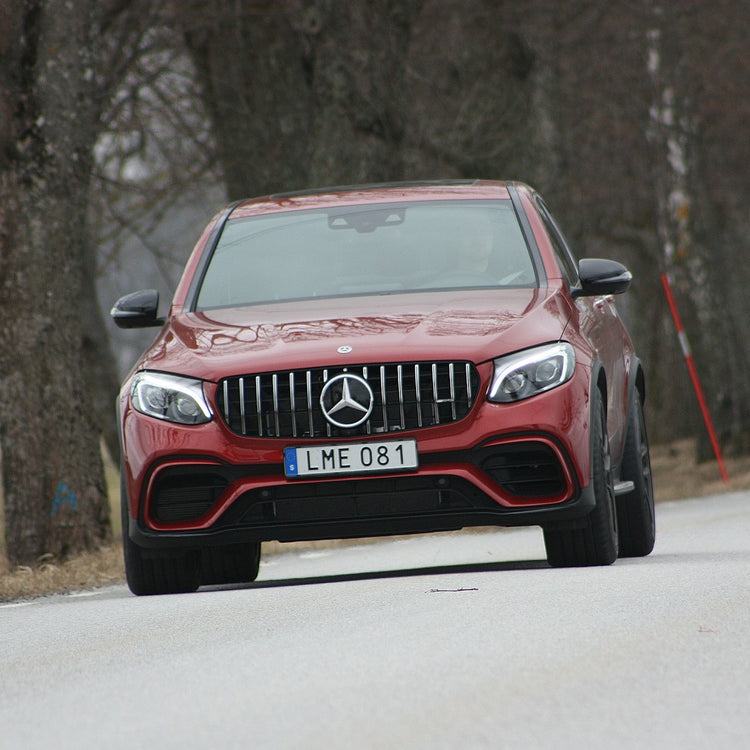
233, 563
154, 572
596, 541
635, 511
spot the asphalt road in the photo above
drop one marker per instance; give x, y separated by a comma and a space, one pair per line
445, 641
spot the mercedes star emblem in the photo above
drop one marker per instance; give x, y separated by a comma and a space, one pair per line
346, 400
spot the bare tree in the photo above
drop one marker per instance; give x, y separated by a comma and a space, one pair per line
59, 63
303, 91
641, 163
156, 181
699, 79
469, 74
561, 95
646, 100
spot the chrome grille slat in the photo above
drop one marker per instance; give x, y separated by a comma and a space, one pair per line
435, 395
418, 393
226, 400
275, 386
310, 414
242, 403
368, 424
258, 406
400, 386
293, 404
328, 426
408, 396
452, 384
384, 398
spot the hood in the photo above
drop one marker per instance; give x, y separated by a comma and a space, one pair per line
475, 325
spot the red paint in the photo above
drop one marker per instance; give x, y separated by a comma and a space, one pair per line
475, 325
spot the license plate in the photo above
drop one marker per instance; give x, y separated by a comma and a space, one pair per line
350, 458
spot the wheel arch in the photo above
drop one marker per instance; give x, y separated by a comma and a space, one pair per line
636, 384
598, 385
638, 378
599, 381
637, 381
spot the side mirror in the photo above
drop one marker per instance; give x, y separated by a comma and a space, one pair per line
137, 310
599, 277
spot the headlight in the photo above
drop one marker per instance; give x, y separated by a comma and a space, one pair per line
523, 374
170, 397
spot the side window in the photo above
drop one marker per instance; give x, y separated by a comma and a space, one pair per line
568, 263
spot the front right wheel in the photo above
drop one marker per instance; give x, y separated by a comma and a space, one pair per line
635, 510
233, 563
595, 540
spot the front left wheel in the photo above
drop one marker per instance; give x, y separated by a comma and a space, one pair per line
595, 541
153, 571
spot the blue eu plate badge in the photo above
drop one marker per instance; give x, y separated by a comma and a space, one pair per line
290, 462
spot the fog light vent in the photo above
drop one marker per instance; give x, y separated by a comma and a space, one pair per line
526, 470
185, 496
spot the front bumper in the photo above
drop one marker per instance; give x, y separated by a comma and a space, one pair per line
517, 481
201, 485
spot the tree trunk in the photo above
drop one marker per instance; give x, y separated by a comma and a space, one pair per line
699, 253
253, 72
302, 94
359, 63
54, 491
468, 91
99, 368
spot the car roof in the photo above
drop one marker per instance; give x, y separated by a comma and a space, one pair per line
384, 192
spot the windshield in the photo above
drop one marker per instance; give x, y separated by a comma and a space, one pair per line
372, 249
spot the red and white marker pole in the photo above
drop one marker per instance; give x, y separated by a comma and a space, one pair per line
682, 336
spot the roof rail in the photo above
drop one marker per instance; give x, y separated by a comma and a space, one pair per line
370, 186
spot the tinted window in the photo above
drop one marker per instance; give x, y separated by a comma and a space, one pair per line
373, 249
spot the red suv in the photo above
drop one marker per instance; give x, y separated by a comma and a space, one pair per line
375, 360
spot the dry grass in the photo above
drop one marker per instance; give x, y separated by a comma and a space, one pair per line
85, 571
676, 475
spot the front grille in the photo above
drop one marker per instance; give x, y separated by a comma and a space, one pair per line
406, 397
